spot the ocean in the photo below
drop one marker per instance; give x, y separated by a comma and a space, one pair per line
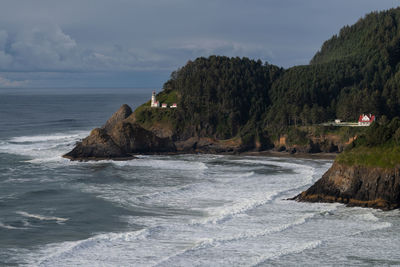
175, 210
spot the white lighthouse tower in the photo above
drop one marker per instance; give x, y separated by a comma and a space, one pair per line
154, 102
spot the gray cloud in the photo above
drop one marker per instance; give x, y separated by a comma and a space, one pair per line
158, 36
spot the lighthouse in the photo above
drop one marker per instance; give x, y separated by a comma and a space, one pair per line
154, 102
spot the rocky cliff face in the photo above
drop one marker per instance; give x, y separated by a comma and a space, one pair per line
124, 112
357, 186
122, 136
326, 144
119, 138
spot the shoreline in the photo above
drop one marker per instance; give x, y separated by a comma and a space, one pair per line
265, 153
272, 153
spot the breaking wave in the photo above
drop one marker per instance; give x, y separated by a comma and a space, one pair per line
41, 217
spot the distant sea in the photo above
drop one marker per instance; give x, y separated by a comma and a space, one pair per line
183, 210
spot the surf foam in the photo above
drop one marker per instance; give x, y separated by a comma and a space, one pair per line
41, 217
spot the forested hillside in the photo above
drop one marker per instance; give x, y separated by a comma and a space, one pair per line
356, 71
222, 96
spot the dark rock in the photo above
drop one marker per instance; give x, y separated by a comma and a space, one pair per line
188, 145
281, 149
357, 186
124, 112
135, 139
314, 147
98, 145
118, 139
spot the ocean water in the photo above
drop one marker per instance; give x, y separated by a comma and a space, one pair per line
183, 210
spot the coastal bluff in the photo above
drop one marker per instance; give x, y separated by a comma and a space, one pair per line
363, 186
366, 173
122, 137
119, 138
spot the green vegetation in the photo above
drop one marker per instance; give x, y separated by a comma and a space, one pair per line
385, 156
167, 96
148, 117
378, 147
355, 72
222, 97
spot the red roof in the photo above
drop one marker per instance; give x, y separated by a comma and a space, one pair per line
366, 118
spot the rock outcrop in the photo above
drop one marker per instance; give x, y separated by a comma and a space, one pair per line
124, 112
119, 138
123, 135
325, 144
357, 186
98, 145
208, 145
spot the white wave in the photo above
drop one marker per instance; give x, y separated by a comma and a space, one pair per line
62, 253
163, 164
41, 217
214, 242
10, 227
46, 138
305, 172
166, 193
369, 216
259, 233
257, 191
374, 227
295, 250
42, 148
380, 226
221, 214
57, 159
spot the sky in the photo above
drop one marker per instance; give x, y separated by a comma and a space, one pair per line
138, 43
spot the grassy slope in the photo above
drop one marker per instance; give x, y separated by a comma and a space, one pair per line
147, 116
385, 156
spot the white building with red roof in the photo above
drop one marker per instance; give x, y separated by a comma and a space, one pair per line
366, 120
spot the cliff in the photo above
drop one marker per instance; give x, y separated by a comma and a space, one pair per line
357, 186
329, 143
366, 174
122, 137
119, 138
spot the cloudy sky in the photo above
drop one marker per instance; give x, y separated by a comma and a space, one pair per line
137, 43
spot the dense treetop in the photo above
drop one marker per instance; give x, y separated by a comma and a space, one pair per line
356, 71
219, 96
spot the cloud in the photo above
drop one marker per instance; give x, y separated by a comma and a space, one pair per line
84, 43
6, 83
47, 48
208, 46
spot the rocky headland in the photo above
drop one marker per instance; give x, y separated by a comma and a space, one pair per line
363, 186
122, 137
366, 174
119, 139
